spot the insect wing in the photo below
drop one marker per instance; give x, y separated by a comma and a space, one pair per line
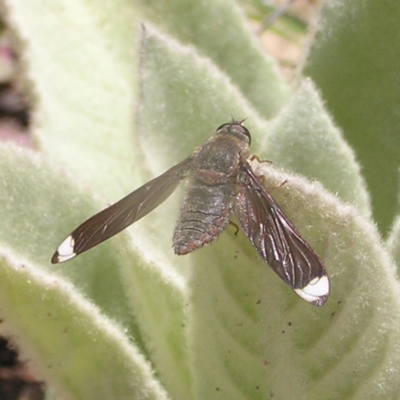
277, 241
120, 215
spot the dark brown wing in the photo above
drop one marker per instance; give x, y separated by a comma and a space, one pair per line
277, 241
120, 215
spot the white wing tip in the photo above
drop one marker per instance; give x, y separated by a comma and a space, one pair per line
65, 251
316, 291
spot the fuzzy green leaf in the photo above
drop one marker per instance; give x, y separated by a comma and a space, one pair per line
67, 341
219, 31
149, 289
255, 332
189, 94
35, 218
80, 73
176, 78
232, 329
304, 140
351, 61
393, 242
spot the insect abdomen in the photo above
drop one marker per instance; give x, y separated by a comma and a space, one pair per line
204, 215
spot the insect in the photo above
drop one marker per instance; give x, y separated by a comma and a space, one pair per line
221, 182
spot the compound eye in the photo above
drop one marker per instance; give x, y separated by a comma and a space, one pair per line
223, 126
243, 130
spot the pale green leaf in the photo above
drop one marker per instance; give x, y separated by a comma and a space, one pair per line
305, 140
219, 31
80, 72
148, 301
113, 120
393, 242
66, 339
40, 207
189, 94
191, 97
256, 333
351, 61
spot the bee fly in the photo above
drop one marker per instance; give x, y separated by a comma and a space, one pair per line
221, 182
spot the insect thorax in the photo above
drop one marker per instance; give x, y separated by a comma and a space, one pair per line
220, 156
